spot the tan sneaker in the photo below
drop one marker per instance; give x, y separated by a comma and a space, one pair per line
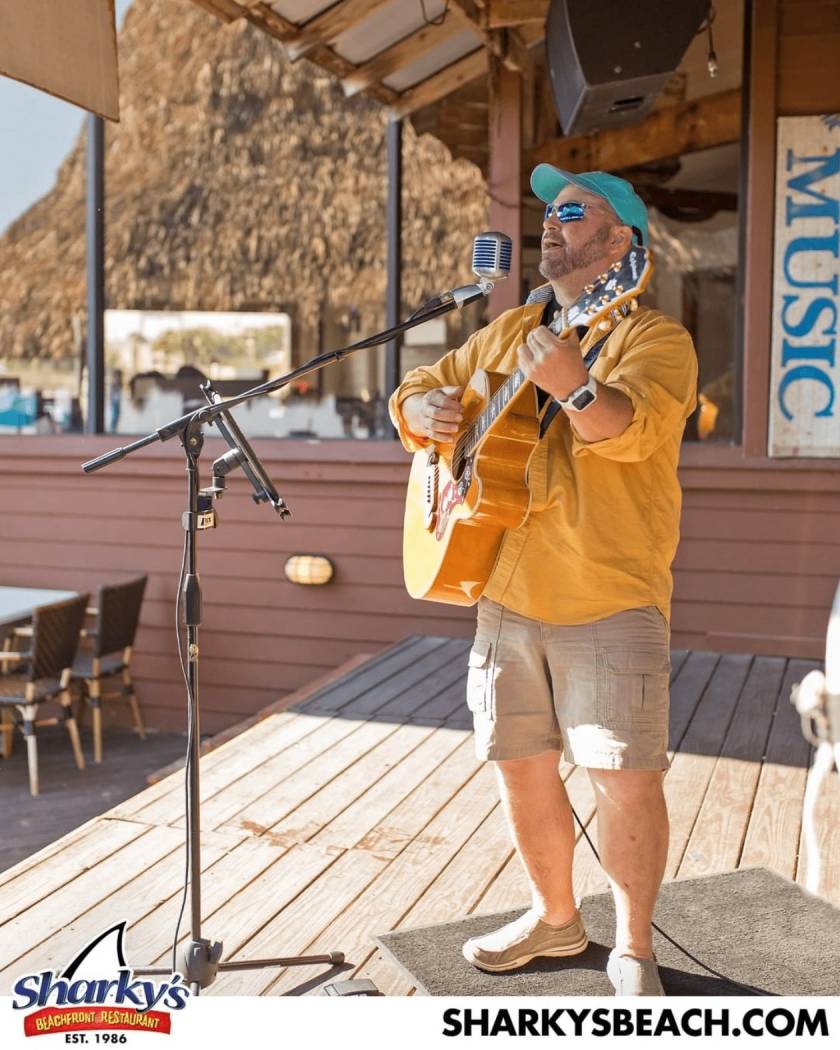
523, 940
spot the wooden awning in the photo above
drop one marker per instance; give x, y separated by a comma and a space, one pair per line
405, 54
431, 60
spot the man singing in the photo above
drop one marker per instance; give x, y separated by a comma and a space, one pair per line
571, 653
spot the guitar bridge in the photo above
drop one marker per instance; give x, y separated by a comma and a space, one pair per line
430, 492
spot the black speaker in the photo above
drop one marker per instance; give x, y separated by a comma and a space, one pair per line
608, 59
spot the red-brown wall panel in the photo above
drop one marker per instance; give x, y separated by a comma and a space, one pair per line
755, 572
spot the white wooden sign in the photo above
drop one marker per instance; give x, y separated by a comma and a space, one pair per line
805, 370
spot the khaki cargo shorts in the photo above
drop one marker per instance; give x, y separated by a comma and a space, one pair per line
597, 691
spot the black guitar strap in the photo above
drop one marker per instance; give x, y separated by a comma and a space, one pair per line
589, 360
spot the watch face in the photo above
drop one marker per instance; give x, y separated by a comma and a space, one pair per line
584, 398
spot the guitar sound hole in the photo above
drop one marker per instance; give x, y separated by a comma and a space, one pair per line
462, 471
458, 463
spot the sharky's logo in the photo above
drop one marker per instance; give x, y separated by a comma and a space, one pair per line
97, 992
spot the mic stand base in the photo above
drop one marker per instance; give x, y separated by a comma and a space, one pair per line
202, 962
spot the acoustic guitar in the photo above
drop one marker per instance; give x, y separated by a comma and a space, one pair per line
464, 495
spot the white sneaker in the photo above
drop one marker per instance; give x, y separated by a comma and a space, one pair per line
630, 976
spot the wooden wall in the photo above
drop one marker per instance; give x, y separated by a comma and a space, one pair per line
809, 46
755, 572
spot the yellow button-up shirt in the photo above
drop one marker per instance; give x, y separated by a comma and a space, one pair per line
604, 521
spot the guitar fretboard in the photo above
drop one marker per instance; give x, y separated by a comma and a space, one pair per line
468, 441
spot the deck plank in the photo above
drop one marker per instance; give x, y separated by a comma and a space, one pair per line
307, 819
262, 812
772, 838
235, 759
688, 686
364, 809
395, 889
349, 827
408, 820
132, 901
718, 833
54, 872
252, 869
294, 923
365, 690
691, 769
455, 892
275, 767
80, 893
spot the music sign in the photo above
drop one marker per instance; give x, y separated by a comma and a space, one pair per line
805, 377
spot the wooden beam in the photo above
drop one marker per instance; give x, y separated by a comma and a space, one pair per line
324, 28
672, 201
441, 84
714, 120
400, 54
500, 13
267, 19
227, 10
504, 44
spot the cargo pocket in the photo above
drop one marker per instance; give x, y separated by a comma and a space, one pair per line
634, 687
478, 677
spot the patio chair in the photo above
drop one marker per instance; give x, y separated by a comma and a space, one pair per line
117, 613
42, 674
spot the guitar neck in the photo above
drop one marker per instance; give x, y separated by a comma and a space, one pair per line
469, 440
471, 437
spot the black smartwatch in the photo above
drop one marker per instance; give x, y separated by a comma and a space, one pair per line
581, 398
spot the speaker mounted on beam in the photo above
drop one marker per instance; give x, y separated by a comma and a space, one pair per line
609, 59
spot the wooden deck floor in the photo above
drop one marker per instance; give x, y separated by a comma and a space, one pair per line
364, 809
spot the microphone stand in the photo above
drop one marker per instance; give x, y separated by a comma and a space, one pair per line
201, 958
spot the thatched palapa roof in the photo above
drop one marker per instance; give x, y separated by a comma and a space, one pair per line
235, 180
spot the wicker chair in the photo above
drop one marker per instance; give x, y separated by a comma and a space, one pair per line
42, 674
109, 655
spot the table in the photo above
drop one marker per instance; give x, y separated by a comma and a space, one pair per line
18, 603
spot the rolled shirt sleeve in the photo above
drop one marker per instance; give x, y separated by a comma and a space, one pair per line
453, 369
658, 373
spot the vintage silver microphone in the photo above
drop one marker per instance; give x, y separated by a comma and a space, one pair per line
492, 253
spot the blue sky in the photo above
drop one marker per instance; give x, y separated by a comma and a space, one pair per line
36, 134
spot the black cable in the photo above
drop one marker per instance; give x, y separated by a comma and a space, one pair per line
748, 988
441, 18
188, 763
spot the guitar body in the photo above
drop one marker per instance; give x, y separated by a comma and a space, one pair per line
457, 511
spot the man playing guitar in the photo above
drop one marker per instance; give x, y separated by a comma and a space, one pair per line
571, 653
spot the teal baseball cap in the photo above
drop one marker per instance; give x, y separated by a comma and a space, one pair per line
547, 181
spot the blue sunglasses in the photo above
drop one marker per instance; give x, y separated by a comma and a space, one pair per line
567, 211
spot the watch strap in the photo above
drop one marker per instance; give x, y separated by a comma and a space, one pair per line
554, 406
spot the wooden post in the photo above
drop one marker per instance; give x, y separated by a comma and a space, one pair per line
505, 178
757, 258
394, 261
95, 420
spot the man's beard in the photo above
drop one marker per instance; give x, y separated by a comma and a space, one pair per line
564, 261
